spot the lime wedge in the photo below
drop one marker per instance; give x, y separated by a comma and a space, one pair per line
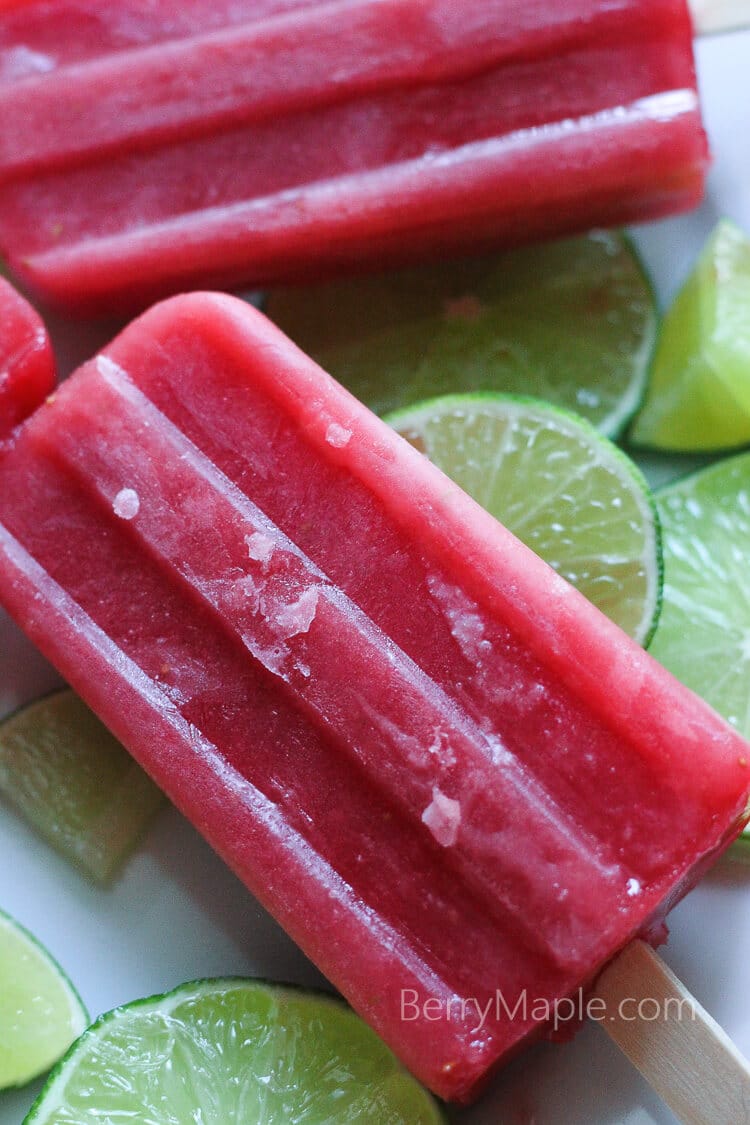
698, 398
557, 484
223, 1051
75, 783
573, 322
703, 636
40, 1012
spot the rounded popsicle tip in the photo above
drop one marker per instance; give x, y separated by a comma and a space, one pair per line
27, 364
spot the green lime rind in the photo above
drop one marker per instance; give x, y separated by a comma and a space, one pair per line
74, 782
553, 480
573, 322
703, 636
232, 1050
698, 394
41, 1013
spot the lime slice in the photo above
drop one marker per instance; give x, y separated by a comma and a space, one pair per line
232, 1051
703, 636
75, 783
573, 322
40, 1012
557, 484
698, 396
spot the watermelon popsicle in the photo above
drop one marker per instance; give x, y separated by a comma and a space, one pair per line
147, 148
27, 366
440, 768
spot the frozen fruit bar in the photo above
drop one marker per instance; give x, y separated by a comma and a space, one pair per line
27, 366
440, 768
146, 148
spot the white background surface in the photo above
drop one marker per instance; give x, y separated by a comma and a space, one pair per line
178, 914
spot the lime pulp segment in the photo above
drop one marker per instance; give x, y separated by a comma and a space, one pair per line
40, 1012
75, 783
559, 486
573, 322
698, 396
232, 1051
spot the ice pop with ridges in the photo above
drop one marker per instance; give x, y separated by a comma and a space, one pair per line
438, 766
298, 139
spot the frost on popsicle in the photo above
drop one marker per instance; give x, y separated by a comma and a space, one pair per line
259, 546
126, 504
338, 436
443, 818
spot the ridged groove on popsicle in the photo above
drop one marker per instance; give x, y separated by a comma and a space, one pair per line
332, 52
286, 462
654, 148
316, 905
313, 145
295, 623
485, 682
225, 189
40, 36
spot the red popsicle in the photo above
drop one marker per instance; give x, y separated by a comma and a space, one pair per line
27, 366
440, 768
147, 148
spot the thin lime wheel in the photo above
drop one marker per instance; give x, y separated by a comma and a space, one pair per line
75, 783
222, 1051
698, 397
573, 322
556, 483
41, 1014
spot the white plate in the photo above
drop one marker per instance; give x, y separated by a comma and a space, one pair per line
177, 913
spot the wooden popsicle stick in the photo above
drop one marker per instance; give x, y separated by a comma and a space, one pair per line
712, 16
676, 1045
